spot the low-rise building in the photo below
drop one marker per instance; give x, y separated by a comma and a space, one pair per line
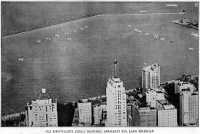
129, 115
132, 114
148, 117
75, 121
152, 96
85, 113
98, 113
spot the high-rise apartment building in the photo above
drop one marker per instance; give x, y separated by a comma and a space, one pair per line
189, 107
85, 113
151, 77
194, 108
167, 114
42, 112
116, 101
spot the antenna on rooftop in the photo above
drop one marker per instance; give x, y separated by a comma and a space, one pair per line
115, 68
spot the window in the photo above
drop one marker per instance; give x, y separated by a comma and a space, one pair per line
53, 108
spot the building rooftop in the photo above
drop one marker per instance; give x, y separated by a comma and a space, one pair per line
151, 67
115, 79
165, 104
42, 101
195, 93
144, 108
169, 106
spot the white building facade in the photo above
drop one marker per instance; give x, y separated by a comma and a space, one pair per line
42, 113
116, 103
85, 113
151, 77
189, 108
167, 114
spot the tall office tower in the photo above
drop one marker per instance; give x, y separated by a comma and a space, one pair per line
194, 108
152, 96
167, 114
85, 113
189, 107
148, 117
116, 101
151, 77
42, 112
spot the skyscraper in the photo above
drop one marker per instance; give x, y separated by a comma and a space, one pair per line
151, 77
42, 112
194, 108
116, 101
189, 111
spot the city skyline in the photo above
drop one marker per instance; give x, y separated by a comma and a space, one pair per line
100, 64
158, 110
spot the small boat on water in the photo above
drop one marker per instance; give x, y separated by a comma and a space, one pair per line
143, 11
191, 48
171, 5
21, 59
38, 41
162, 38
